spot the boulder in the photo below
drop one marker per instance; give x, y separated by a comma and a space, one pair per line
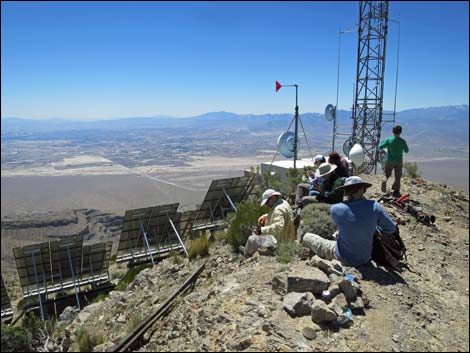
341, 300
349, 288
356, 305
279, 283
307, 280
334, 290
322, 313
298, 304
69, 314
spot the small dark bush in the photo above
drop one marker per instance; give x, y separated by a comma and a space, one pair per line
129, 276
199, 247
246, 217
286, 251
411, 170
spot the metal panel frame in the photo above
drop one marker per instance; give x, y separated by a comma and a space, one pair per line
221, 197
95, 263
6, 309
147, 233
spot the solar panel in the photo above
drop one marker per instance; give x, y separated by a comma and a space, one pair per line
222, 196
184, 222
33, 263
66, 257
147, 233
7, 311
95, 263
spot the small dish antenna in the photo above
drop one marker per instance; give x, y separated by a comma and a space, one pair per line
286, 144
347, 145
330, 112
356, 155
383, 156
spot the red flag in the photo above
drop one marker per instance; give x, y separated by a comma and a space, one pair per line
278, 85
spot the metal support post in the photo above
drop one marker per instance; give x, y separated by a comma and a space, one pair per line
146, 242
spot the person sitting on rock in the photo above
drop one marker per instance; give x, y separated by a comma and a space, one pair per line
325, 184
277, 225
357, 220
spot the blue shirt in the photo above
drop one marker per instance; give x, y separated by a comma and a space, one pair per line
357, 221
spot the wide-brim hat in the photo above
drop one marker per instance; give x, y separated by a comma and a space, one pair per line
354, 180
267, 194
324, 169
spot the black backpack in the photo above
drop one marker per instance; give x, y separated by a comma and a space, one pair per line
388, 250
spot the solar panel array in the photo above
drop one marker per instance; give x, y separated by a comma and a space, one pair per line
51, 267
221, 198
7, 311
147, 232
156, 231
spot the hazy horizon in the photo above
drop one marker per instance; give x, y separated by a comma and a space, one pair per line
205, 113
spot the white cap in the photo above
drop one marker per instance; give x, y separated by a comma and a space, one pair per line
319, 158
267, 194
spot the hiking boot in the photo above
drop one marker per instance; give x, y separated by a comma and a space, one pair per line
396, 193
384, 187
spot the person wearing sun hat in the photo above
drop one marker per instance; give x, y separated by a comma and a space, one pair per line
274, 226
326, 191
357, 220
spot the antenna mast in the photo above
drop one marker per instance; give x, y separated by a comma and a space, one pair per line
368, 105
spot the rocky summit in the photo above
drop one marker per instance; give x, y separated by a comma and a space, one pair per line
261, 304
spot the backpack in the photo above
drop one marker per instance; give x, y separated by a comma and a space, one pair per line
388, 250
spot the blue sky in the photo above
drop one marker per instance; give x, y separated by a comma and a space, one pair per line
100, 60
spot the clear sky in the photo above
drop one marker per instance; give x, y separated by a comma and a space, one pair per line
100, 60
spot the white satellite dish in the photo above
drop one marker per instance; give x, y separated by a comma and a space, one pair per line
286, 144
383, 156
330, 112
356, 155
347, 146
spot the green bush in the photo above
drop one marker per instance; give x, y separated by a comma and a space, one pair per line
101, 297
15, 339
199, 247
411, 170
286, 251
246, 218
129, 276
87, 342
33, 324
316, 219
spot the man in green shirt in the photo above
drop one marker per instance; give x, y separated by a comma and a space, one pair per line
395, 147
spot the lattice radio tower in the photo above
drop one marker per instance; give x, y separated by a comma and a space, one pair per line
368, 103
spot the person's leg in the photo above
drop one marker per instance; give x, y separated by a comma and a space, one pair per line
388, 173
398, 172
326, 249
302, 190
255, 242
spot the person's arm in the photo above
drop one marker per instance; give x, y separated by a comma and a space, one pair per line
276, 226
384, 221
405, 147
383, 144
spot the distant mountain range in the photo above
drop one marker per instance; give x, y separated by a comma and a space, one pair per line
427, 130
